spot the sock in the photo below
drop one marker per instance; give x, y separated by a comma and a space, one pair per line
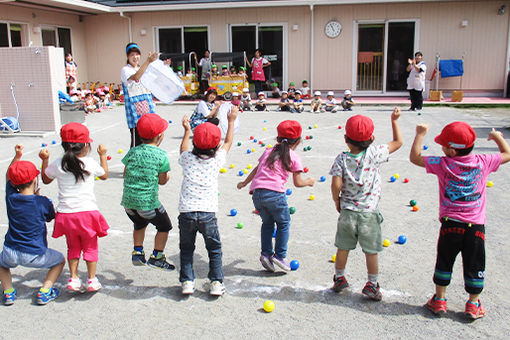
44, 290
339, 272
438, 299
8, 291
157, 253
138, 248
474, 303
373, 278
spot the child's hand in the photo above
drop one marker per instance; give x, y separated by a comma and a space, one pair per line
44, 154
493, 135
18, 149
233, 114
395, 114
153, 56
185, 123
410, 61
102, 150
310, 182
241, 185
422, 129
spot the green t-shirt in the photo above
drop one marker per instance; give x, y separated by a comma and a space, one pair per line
143, 165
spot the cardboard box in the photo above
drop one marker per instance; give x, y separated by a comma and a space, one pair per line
436, 96
457, 96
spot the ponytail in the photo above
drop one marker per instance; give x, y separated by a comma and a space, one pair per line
70, 161
281, 152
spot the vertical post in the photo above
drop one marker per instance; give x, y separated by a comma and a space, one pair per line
311, 47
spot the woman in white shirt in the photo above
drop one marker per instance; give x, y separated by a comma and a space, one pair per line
416, 80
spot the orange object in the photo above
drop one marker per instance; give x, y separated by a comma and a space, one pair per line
415, 208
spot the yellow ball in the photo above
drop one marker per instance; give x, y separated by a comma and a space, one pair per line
315, 126
333, 258
223, 170
252, 150
490, 184
232, 166
120, 151
386, 243
249, 166
311, 198
245, 171
269, 146
264, 129
269, 306
97, 178
396, 175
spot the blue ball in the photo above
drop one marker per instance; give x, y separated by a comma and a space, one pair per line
248, 151
169, 122
255, 141
241, 172
265, 121
233, 212
274, 232
425, 147
44, 145
294, 264
402, 239
323, 179
393, 179
53, 142
288, 192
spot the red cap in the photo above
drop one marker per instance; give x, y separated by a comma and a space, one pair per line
22, 172
359, 128
75, 133
289, 129
206, 136
151, 125
457, 135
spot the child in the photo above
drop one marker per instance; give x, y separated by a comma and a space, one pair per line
305, 90
146, 166
179, 71
292, 90
198, 201
246, 100
297, 105
316, 104
25, 241
78, 217
90, 103
224, 71
276, 91
214, 71
348, 101
331, 102
233, 71
462, 180
235, 100
260, 105
356, 191
189, 73
242, 72
284, 104
268, 189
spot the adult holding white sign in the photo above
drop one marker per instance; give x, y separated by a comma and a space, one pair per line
137, 99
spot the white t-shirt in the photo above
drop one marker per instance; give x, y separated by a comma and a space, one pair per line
75, 196
199, 189
264, 60
247, 97
416, 79
304, 90
135, 88
203, 109
331, 102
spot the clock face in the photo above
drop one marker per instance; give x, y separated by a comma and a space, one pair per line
333, 29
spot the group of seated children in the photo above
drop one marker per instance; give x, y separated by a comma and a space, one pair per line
304, 91
226, 72
95, 101
243, 102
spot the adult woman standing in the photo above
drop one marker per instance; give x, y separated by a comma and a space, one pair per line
416, 80
206, 110
257, 72
137, 99
71, 72
205, 65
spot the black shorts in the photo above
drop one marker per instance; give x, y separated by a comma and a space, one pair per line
469, 240
158, 217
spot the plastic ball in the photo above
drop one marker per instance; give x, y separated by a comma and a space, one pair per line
419, 113
396, 175
264, 128
425, 147
402, 239
415, 208
490, 183
308, 148
315, 126
256, 211
309, 128
268, 306
412, 203
240, 173
120, 151
339, 127
53, 142
109, 158
239, 143
233, 212
333, 258
305, 169
311, 137
307, 137
288, 192
304, 149
245, 171
255, 141
232, 166
249, 166
96, 178
322, 179
260, 142
311, 197
263, 144
386, 243
292, 210
294, 265
169, 122
269, 146
392, 179
252, 150
223, 170
265, 121
406, 180
44, 145
251, 137
240, 225
248, 151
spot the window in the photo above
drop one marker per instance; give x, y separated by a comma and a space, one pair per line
58, 37
183, 40
12, 35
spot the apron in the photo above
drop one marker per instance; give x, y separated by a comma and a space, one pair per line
257, 72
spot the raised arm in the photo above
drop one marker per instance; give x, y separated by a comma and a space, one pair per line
18, 153
247, 61
153, 56
229, 138
102, 150
503, 146
44, 155
187, 132
415, 155
336, 189
398, 140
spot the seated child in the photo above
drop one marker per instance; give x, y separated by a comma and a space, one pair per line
189, 74
25, 241
246, 100
291, 91
305, 90
297, 105
233, 71
179, 71
331, 102
242, 72
260, 105
276, 91
316, 104
235, 100
284, 104
214, 70
90, 103
224, 71
348, 101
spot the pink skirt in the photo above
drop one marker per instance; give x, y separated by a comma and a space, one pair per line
90, 222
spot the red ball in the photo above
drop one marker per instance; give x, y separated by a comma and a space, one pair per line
256, 211
260, 142
305, 169
307, 137
251, 137
109, 157
339, 127
406, 180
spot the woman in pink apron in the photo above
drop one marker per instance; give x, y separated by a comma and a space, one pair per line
257, 72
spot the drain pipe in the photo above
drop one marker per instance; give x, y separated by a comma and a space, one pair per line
311, 48
129, 25
507, 62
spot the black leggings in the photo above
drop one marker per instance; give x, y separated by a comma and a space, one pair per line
416, 99
469, 240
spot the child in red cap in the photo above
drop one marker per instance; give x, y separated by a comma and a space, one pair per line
269, 194
462, 180
198, 200
25, 242
356, 191
78, 216
147, 167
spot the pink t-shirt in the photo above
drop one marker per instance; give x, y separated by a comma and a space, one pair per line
274, 179
462, 182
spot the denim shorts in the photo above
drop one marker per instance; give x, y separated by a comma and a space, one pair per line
362, 227
10, 258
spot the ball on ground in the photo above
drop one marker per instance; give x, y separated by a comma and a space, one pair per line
292, 210
240, 225
392, 179
402, 239
333, 258
233, 212
323, 179
415, 208
490, 184
288, 192
386, 243
412, 203
268, 306
311, 197
294, 265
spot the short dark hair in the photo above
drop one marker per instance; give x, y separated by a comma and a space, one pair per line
363, 145
204, 152
148, 141
21, 187
418, 54
464, 152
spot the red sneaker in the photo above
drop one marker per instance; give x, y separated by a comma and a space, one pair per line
474, 311
437, 306
372, 291
339, 283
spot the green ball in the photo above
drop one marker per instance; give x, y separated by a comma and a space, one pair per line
419, 113
263, 144
240, 225
311, 137
412, 203
239, 143
304, 149
308, 148
292, 210
309, 128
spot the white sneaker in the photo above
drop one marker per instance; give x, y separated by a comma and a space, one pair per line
188, 287
217, 288
74, 285
93, 285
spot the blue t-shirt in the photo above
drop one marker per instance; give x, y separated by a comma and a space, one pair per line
27, 215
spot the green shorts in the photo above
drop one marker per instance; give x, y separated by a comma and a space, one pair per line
362, 227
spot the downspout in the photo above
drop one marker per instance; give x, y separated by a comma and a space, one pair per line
311, 47
507, 61
129, 25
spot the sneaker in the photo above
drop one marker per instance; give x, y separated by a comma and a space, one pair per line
339, 283
74, 285
44, 298
474, 311
333, 111
9, 298
138, 258
217, 288
437, 306
160, 263
267, 263
93, 285
372, 291
280, 262
188, 287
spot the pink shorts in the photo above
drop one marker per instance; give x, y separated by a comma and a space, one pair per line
81, 230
